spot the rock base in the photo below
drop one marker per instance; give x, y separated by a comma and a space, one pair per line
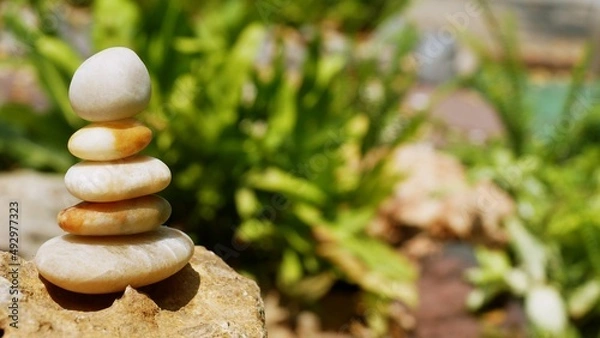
205, 299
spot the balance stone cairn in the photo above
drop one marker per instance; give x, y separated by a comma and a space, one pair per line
116, 237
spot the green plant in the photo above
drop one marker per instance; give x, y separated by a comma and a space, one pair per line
22, 127
272, 137
550, 168
354, 16
280, 149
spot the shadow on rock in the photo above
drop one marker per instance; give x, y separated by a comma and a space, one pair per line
70, 300
176, 291
170, 294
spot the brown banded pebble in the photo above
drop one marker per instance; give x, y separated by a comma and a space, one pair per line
94, 265
115, 218
110, 85
117, 180
112, 140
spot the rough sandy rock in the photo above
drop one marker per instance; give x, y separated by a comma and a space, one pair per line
205, 299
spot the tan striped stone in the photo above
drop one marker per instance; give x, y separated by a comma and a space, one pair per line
107, 141
115, 218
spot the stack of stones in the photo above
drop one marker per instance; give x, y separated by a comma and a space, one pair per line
116, 237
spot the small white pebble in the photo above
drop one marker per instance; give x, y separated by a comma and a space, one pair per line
112, 84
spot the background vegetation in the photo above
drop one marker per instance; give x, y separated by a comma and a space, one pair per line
548, 162
277, 129
265, 127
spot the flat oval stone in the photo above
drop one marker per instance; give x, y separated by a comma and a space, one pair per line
111, 181
113, 140
126, 217
95, 265
112, 84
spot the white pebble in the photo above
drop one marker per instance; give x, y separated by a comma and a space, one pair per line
112, 84
95, 265
111, 181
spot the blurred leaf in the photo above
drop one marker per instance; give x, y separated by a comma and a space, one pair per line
310, 215
20, 125
283, 119
312, 288
57, 85
275, 180
493, 266
545, 308
59, 53
116, 23
590, 236
584, 298
531, 252
290, 270
353, 222
372, 265
256, 231
479, 297
246, 202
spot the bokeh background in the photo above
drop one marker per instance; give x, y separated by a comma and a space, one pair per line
382, 168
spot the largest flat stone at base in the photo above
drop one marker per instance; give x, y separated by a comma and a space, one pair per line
205, 299
106, 264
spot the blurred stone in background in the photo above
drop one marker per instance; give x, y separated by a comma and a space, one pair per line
552, 33
40, 197
552, 37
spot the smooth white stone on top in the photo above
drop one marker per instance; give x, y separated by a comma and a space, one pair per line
112, 84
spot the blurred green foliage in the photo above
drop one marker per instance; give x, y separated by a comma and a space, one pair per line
275, 136
549, 163
359, 16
